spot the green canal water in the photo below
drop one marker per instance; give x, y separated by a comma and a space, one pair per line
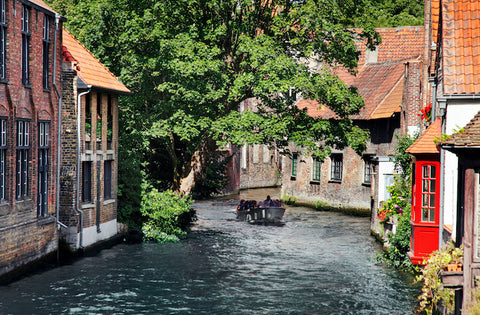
317, 263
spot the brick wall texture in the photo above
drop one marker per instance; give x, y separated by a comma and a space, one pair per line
94, 149
24, 235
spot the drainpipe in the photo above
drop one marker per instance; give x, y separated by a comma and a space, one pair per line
433, 82
442, 105
59, 140
79, 138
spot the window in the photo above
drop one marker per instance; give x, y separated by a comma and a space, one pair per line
88, 121
294, 164
87, 181
3, 40
25, 45
43, 166
3, 156
99, 121
428, 193
337, 167
367, 173
316, 169
23, 148
109, 123
46, 48
108, 180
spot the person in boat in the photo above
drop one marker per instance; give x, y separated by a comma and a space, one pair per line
251, 204
241, 206
268, 202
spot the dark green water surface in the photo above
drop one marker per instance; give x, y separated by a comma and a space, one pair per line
317, 263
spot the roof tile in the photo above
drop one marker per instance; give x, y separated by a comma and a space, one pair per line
425, 144
89, 69
470, 136
461, 36
380, 83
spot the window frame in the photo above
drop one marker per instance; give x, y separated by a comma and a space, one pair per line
336, 169
87, 181
367, 169
294, 164
109, 122
46, 52
107, 179
26, 45
22, 158
3, 157
43, 167
430, 216
3, 41
316, 169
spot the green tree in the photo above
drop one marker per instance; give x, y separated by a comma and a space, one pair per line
190, 63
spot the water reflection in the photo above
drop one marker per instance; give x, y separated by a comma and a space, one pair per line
318, 263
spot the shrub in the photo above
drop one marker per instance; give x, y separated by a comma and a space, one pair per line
433, 293
167, 215
396, 254
396, 205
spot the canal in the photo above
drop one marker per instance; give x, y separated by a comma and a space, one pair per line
317, 263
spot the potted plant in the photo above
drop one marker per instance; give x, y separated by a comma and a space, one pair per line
434, 292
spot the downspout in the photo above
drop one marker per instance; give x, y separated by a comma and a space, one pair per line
79, 138
59, 140
442, 106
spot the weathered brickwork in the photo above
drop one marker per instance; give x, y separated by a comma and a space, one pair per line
26, 235
260, 167
95, 152
350, 192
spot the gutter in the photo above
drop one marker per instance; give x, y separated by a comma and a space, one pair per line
59, 140
77, 199
461, 97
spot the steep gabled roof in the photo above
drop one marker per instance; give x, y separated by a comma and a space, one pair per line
89, 69
469, 137
425, 144
381, 86
381, 82
461, 46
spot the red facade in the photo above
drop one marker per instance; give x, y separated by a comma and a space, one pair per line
425, 210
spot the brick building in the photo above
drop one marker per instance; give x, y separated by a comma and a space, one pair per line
30, 69
88, 179
260, 165
389, 79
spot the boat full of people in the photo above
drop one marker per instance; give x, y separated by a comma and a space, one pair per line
268, 211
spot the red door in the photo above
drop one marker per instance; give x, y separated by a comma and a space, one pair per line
425, 210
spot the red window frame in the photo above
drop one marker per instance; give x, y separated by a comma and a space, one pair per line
427, 197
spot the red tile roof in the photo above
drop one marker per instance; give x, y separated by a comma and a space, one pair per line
42, 4
89, 69
380, 83
425, 143
469, 137
461, 46
397, 43
381, 86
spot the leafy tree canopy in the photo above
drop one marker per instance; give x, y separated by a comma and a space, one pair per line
190, 63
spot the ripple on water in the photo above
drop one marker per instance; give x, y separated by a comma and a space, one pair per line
318, 263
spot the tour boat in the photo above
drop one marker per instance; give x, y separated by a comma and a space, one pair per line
262, 215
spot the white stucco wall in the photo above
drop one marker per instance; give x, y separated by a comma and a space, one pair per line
91, 236
385, 168
457, 116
